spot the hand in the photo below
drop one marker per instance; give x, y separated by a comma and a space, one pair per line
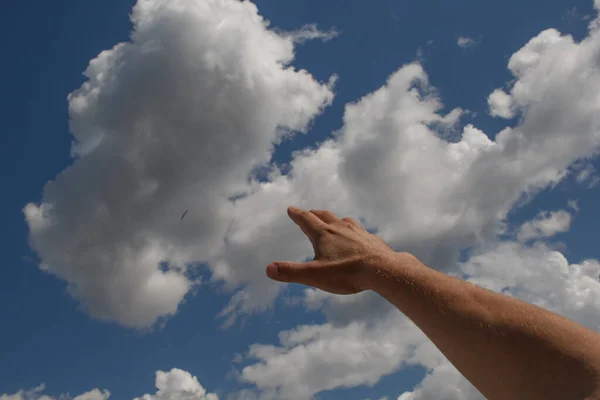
344, 254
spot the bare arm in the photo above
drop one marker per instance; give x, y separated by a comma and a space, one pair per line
507, 348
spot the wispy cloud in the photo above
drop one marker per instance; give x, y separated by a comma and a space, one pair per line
465, 42
311, 32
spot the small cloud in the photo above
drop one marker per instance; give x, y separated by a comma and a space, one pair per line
587, 175
420, 56
573, 205
465, 42
500, 104
574, 15
545, 225
424, 51
311, 32
571, 15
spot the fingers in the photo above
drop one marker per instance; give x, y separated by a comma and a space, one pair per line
291, 272
326, 216
329, 217
310, 224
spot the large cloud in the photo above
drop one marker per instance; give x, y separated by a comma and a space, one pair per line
106, 223
390, 166
175, 119
314, 358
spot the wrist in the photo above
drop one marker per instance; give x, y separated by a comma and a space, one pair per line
389, 267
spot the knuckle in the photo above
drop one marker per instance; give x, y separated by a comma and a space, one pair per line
330, 229
350, 222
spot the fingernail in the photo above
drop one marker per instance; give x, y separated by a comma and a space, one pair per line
272, 271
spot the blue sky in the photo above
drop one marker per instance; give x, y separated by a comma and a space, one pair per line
48, 336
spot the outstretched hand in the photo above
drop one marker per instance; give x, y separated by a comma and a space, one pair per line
344, 253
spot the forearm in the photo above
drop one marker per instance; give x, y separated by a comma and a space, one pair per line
507, 348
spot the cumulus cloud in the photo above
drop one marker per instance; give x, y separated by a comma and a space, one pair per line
168, 122
172, 385
175, 119
314, 358
391, 169
321, 357
545, 225
500, 104
37, 394
178, 385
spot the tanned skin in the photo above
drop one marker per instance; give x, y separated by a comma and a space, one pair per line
505, 347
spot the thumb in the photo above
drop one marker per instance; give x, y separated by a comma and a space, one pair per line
294, 272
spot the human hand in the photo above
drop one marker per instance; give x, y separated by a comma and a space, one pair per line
345, 254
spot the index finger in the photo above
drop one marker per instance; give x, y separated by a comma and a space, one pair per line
310, 224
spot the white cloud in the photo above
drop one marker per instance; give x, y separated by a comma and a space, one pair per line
500, 104
178, 385
573, 205
545, 225
389, 168
36, 394
95, 394
542, 277
107, 221
311, 32
465, 42
321, 357
311, 359
443, 382
175, 119
587, 174
382, 398
173, 385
